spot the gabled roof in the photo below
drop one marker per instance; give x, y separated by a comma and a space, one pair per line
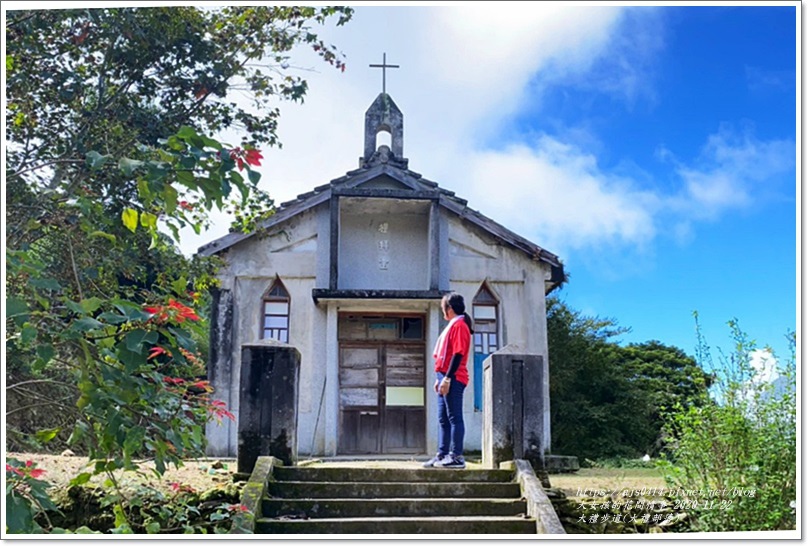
414, 186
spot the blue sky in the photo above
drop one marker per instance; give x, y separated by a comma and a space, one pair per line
653, 148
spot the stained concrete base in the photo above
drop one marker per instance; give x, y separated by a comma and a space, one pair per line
561, 464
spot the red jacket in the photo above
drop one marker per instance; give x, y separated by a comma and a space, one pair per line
456, 338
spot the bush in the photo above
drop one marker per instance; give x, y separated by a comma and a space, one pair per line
737, 454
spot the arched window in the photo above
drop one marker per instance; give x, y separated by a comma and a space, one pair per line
485, 310
275, 313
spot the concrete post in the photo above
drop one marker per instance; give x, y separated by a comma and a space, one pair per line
513, 408
219, 370
267, 422
331, 381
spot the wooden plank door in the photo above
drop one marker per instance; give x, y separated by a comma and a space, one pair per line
404, 410
360, 417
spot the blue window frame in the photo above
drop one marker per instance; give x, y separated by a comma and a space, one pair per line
485, 310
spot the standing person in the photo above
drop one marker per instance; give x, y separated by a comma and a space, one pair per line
451, 356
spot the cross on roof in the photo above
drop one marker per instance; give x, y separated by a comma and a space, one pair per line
384, 66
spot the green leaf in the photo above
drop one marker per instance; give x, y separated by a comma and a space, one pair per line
74, 306
186, 133
19, 515
87, 323
96, 160
108, 236
47, 435
17, 309
9, 64
112, 318
134, 440
170, 196
129, 217
46, 284
136, 338
183, 339
210, 143
130, 359
81, 479
180, 286
255, 176
148, 220
174, 231
90, 305
152, 528
188, 162
187, 178
132, 310
45, 352
28, 334
129, 166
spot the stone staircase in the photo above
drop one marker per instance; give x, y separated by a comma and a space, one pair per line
325, 500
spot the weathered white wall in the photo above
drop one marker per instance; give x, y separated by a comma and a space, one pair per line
474, 257
292, 251
298, 252
384, 246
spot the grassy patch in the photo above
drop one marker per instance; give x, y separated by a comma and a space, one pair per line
608, 478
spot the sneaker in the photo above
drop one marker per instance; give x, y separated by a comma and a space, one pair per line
451, 462
434, 460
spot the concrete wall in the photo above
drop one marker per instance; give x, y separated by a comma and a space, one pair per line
292, 252
382, 247
298, 252
518, 282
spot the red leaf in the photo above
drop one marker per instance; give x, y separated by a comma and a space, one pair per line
157, 351
254, 157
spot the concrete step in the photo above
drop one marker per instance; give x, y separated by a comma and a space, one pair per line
348, 474
364, 508
400, 525
391, 490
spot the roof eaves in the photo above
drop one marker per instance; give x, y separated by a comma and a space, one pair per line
531, 249
286, 211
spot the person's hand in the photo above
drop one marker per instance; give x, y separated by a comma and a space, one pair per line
444, 385
437, 384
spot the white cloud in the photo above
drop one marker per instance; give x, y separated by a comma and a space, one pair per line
730, 172
764, 364
466, 71
558, 191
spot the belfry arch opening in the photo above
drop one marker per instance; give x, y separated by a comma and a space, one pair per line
384, 138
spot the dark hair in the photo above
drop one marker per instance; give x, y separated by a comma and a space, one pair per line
455, 301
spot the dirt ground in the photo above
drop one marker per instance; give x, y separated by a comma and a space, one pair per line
201, 474
612, 479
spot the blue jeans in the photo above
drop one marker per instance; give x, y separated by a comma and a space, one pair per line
451, 429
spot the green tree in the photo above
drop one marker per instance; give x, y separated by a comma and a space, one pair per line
668, 377
108, 115
589, 398
608, 400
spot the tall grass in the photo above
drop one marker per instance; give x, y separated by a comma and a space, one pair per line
739, 449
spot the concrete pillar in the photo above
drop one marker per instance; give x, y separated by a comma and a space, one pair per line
432, 334
513, 408
331, 382
220, 369
267, 423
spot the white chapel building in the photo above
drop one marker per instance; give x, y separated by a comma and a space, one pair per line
352, 274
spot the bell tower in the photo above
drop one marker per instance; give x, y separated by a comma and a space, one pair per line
384, 115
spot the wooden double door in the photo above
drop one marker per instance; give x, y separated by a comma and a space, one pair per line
382, 397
